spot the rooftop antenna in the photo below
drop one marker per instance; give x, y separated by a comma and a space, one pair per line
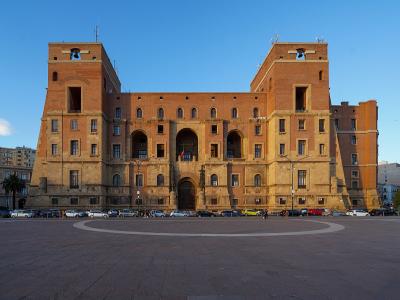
96, 33
275, 39
320, 39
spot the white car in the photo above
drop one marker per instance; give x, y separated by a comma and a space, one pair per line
72, 213
178, 213
97, 214
157, 214
357, 213
19, 213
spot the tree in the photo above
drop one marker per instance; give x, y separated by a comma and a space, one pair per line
13, 184
396, 200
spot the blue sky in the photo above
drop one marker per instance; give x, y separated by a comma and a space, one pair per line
200, 46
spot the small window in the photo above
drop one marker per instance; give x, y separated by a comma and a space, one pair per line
93, 126
214, 180
235, 180
93, 201
257, 130
354, 140
321, 201
75, 54
321, 125
116, 130
54, 201
160, 129
300, 54
117, 151
118, 113
353, 124
160, 113
116, 180
355, 174
234, 113
257, 150
139, 113
179, 113
337, 124
301, 147
214, 129
214, 201
160, 201
74, 201
54, 149
213, 113
160, 180
214, 150
255, 112
302, 179
74, 147
354, 159
75, 99
302, 124
194, 113
321, 149
74, 179
354, 184
160, 150
74, 124
234, 202
54, 125
257, 201
282, 200
257, 180
282, 126
302, 200
282, 149
55, 76
93, 150
301, 98
321, 75
139, 179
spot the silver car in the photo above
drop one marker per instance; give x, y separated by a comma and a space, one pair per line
20, 213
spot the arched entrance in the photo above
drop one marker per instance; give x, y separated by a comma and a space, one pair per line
186, 145
186, 195
234, 145
139, 145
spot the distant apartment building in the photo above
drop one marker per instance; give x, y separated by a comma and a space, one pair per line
17, 161
387, 193
388, 181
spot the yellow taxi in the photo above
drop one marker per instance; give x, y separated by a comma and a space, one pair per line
252, 212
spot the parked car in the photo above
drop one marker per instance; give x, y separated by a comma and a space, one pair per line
290, 213
316, 211
251, 212
337, 213
74, 213
178, 213
126, 212
20, 213
304, 211
230, 213
157, 214
205, 213
357, 213
113, 213
97, 214
4, 212
383, 212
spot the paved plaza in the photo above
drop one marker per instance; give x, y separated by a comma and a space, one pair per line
193, 258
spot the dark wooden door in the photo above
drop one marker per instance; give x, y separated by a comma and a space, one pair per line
186, 195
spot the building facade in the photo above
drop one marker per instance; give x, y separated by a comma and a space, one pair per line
274, 147
17, 161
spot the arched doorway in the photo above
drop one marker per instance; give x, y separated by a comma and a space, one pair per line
139, 145
186, 195
186, 145
234, 145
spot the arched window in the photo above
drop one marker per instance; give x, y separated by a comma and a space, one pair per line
116, 180
55, 76
139, 113
213, 113
160, 180
234, 113
214, 180
160, 113
257, 180
194, 113
179, 113
255, 112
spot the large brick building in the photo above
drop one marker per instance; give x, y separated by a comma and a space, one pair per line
281, 144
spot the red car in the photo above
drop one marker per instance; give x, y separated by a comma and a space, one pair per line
316, 211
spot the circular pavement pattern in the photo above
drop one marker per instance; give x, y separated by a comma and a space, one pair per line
332, 227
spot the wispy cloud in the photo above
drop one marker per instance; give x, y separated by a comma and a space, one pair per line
5, 127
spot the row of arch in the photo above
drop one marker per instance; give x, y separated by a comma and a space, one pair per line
193, 113
186, 145
117, 182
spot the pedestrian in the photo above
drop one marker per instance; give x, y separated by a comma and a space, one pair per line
266, 214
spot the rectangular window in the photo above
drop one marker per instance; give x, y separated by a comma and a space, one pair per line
301, 98
139, 179
257, 129
354, 159
321, 149
214, 150
234, 202
354, 173
301, 179
354, 184
282, 200
302, 124
117, 151
74, 124
337, 124
93, 125
257, 150
74, 147
321, 201
160, 201
354, 140
54, 149
116, 130
301, 149
235, 180
355, 202
54, 125
214, 129
74, 179
214, 201
353, 124
160, 150
93, 149
54, 201
302, 200
282, 126
160, 129
281, 149
74, 201
93, 200
118, 113
75, 99
321, 125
